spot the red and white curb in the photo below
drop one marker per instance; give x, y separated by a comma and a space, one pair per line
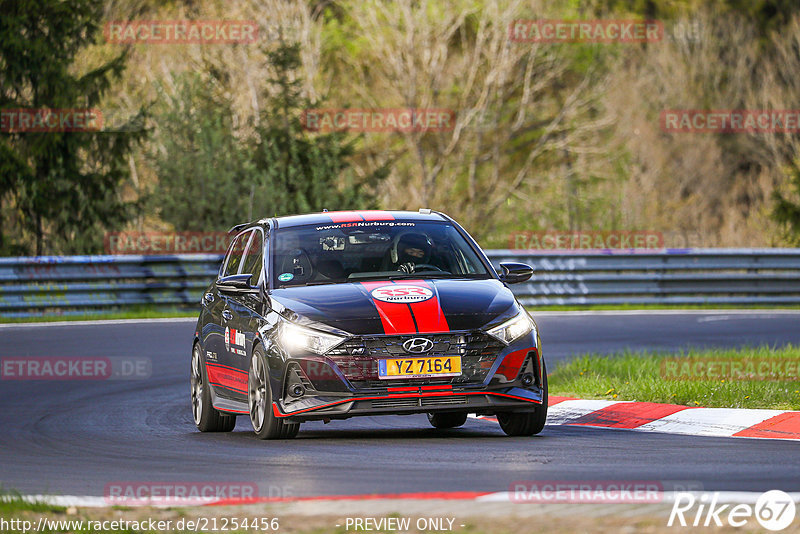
674, 418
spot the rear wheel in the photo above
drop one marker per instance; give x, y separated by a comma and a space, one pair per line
206, 417
447, 420
259, 399
526, 423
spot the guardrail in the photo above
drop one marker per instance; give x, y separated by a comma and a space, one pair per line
674, 276
96, 284
69, 285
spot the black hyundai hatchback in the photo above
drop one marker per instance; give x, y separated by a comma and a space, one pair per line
339, 314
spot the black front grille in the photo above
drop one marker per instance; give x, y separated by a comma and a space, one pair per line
442, 401
417, 402
357, 358
395, 403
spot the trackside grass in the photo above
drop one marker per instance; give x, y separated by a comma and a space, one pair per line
135, 312
651, 377
12, 502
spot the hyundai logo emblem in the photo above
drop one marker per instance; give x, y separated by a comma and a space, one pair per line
418, 345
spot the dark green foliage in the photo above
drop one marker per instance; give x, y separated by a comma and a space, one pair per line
210, 178
59, 190
206, 178
787, 212
306, 172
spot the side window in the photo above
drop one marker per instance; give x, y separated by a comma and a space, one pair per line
253, 259
235, 253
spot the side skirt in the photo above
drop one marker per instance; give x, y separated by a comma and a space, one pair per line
228, 406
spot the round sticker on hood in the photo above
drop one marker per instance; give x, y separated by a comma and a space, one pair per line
401, 294
285, 277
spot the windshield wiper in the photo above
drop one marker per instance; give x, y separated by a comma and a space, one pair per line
424, 274
312, 283
405, 276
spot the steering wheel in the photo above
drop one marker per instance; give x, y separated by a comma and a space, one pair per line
300, 259
428, 266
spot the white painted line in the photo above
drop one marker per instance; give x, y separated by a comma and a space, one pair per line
101, 322
67, 500
753, 312
733, 497
566, 411
737, 497
709, 421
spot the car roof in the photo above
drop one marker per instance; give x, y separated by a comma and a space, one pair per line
335, 217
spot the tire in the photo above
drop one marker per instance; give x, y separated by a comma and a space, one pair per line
447, 420
526, 423
206, 417
259, 401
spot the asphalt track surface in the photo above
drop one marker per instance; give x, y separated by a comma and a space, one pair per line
74, 438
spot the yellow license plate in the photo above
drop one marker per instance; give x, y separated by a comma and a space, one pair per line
420, 367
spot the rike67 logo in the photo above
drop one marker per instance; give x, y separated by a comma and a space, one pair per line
774, 510
234, 339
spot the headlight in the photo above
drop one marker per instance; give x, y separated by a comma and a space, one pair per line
513, 329
296, 338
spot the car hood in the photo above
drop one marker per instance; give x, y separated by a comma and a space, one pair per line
399, 306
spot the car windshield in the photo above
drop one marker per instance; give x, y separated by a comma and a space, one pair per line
337, 253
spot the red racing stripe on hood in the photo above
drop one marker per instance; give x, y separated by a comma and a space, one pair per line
395, 317
428, 314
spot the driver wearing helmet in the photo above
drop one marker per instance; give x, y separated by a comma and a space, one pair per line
412, 250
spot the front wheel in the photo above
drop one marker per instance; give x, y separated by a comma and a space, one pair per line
447, 420
206, 417
526, 423
259, 399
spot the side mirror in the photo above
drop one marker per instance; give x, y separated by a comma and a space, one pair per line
236, 283
514, 273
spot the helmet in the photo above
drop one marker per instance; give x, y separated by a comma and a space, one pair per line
410, 247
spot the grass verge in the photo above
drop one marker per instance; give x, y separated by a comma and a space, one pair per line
12, 503
138, 312
662, 377
635, 307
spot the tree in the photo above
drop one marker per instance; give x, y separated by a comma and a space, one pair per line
206, 177
60, 188
786, 211
525, 114
212, 176
302, 171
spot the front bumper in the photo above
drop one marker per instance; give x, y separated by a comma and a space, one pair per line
512, 383
483, 402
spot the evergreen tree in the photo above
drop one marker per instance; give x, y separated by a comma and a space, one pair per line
786, 212
300, 171
60, 190
210, 178
206, 179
